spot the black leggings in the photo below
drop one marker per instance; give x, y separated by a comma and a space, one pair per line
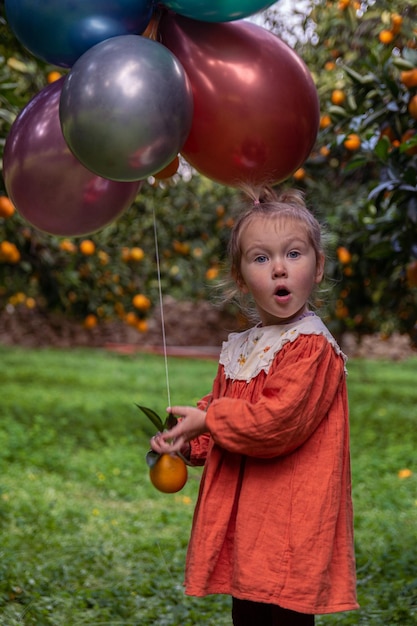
247, 613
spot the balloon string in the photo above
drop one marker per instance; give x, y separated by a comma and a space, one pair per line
164, 343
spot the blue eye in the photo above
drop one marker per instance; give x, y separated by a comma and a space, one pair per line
294, 254
261, 258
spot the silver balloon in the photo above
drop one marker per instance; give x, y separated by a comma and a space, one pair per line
126, 108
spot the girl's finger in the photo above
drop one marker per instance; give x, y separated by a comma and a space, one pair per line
177, 410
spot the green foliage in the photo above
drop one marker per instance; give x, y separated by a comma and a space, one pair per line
193, 220
21, 77
86, 539
368, 192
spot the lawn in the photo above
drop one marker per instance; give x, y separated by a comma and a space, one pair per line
86, 539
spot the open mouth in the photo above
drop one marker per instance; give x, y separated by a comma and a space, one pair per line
282, 292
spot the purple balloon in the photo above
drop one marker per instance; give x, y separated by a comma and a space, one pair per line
49, 187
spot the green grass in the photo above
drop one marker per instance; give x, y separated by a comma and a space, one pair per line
85, 538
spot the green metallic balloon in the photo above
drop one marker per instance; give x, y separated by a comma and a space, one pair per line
217, 10
126, 108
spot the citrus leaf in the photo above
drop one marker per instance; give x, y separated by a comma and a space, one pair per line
152, 458
170, 421
154, 417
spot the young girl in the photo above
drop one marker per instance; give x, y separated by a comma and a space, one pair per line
273, 522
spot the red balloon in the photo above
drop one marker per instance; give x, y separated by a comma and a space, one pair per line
49, 187
256, 108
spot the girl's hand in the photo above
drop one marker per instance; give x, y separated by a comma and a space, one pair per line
192, 424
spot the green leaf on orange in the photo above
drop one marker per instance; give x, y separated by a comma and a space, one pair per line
154, 417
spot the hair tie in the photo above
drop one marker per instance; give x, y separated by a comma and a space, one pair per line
256, 202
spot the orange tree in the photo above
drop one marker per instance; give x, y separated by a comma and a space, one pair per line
362, 176
113, 273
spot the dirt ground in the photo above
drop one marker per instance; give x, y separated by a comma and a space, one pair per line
191, 329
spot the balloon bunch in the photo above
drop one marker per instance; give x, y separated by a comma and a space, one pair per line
148, 81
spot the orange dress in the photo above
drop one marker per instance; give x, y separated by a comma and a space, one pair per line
273, 521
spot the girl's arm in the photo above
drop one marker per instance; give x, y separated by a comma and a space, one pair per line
295, 399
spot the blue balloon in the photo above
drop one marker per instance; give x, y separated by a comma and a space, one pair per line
60, 31
218, 10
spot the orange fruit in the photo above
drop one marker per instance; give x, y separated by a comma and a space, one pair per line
169, 170
17, 298
412, 107
411, 272
325, 120
9, 253
67, 245
90, 321
141, 302
299, 174
341, 311
131, 318
181, 247
329, 66
405, 473
136, 254
343, 255
352, 142
142, 326
53, 76
406, 136
87, 247
396, 21
386, 36
387, 131
6, 207
169, 474
338, 97
212, 273
343, 4
30, 303
409, 77
125, 254
103, 257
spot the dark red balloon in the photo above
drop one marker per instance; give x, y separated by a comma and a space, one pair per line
256, 108
49, 187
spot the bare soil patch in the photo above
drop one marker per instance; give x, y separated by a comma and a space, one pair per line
191, 329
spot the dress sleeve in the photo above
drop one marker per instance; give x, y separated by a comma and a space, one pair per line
297, 395
200, 445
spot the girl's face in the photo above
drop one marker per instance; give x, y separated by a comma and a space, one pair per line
278, 268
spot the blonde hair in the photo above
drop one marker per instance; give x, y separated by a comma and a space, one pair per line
265, 203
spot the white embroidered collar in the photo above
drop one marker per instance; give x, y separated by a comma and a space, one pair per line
247, 353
